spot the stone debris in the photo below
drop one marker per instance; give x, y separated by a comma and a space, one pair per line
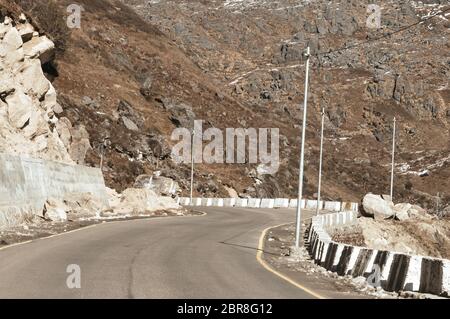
85, 206
137, 201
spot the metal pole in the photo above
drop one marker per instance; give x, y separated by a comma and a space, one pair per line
320, 162
393, 160
192, 167
302, 156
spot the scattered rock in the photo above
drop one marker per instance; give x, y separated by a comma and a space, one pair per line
55, 210
377, 207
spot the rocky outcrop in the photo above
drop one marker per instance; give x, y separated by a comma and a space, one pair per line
28, 104
162, 186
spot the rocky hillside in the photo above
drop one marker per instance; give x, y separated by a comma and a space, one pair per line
28, 101
138, 69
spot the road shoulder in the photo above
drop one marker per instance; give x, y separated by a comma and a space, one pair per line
274, 255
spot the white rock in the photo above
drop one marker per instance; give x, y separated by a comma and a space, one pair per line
39, 47
26, 31
11, 48
129, 124
50, 100
12, 39
36, 126
32, 78
376, 206
63, 127
6, 84
401, 211
20, 108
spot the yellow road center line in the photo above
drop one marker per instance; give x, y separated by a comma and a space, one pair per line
269, 268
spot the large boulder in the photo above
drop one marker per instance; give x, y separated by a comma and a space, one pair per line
401, 211
375, 206
20, 109
405, 211
55, 210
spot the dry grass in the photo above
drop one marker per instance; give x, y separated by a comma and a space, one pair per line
49, 18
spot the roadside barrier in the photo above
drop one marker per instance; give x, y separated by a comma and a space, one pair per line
331, 206
392, 271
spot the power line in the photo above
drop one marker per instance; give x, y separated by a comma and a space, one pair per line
385, 35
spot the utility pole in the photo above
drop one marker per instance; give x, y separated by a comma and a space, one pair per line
393, 160
302, 156
192, 166
320, 161
102, 152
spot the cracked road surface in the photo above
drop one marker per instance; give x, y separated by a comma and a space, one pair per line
211, 256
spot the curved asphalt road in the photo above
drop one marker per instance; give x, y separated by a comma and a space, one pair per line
212, 256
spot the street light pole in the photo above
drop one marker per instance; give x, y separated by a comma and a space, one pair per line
393, 160
302, 155
192, 167
320, 162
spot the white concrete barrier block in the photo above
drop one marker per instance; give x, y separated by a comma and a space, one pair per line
209, 202
312, 204
241, 202
341, 219
369, 268
332, 206
218, 202
348, 217
446, 277
353, 258
281, 203
185, 201
293, 203
412, 280
338, 255
267, 203
230, 202
387, 267
204, 202
254, 202
326, 244
197, 201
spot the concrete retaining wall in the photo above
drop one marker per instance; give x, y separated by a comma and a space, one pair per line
26, 183
392, 271
267, 203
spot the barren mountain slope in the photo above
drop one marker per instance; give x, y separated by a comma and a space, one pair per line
254, 48
239, 64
